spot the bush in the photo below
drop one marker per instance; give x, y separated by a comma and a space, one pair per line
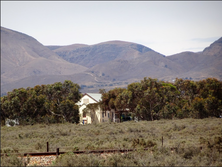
143, 143
7, 150
38, 146
70, 159
185, 143
12, 160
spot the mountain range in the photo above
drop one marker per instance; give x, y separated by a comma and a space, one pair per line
25, 62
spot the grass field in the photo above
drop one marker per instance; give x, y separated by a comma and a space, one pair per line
185, 142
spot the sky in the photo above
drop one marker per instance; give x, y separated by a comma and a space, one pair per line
168, 27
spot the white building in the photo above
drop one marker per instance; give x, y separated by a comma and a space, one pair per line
96, 116
12, 122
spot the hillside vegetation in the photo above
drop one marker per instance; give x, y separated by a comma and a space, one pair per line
148, 99
185, 114
186, 142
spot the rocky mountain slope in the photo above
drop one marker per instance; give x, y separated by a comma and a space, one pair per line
92, 55
23, 56
207, 63
26, 62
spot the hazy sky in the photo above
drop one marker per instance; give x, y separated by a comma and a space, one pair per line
164, 26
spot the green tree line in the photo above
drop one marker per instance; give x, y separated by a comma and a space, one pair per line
151, 99
52, 103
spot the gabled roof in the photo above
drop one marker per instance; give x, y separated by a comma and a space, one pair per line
95, 96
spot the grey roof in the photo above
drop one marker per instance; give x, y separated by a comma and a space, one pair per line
96, 96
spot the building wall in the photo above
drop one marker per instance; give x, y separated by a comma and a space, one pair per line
83, 102
87, 118
13, 122
105, 116
98, 116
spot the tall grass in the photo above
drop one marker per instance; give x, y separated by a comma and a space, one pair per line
185, 142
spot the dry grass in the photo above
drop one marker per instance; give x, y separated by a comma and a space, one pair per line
181, 145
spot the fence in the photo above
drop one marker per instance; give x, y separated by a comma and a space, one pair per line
58, 152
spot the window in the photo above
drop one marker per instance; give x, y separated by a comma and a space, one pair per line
103, 114
85, 101
108, 115
84, 114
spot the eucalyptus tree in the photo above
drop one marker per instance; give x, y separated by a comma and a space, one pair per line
153, 99
168, 107
150, 100
5, 108
188, 92
17, 98
54, 101
110, 100
35, 103
210, 92
136, 92
61, 99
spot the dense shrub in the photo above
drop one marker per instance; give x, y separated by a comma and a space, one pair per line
151, 99
52, 103
12, 160
157, 157
187, 142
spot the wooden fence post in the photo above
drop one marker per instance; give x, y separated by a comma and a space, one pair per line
162, 141
57, 152
47, 146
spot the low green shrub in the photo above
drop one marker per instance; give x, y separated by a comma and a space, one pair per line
38, 146
143, 143
157, 157
12, 160
186, 137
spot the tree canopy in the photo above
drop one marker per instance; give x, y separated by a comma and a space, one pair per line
46, 103
151, 99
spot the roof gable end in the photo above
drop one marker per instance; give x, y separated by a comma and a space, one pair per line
95, 96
